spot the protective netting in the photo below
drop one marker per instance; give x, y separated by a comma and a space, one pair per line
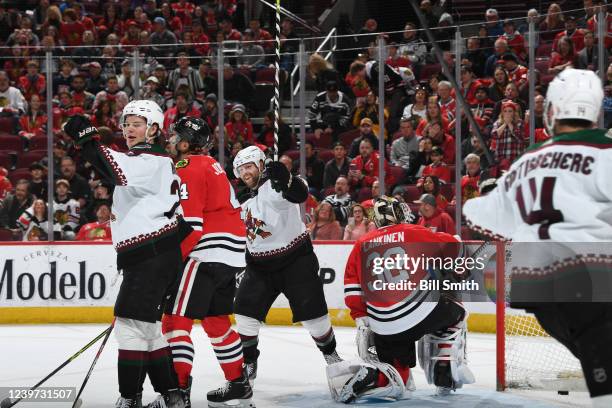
533, 359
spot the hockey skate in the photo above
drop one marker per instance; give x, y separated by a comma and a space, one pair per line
129, 402
251, 371
186, 394
173, 399
332, 358
364, 380
235, 394
443, 378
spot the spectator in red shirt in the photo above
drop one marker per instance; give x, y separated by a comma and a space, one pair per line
396, 60
183, 9
5, 184
356, 80
111, 22
516, 72
433, 114
261, 36
87, 22
437, 167
239, 127
229, 33
446, 101
470, 181
131, 39
32, 83
200, 38
34, 121
431, 185
439, 138
98, 230
573, 33
592, 22
182, 107
363, 170
469, 84
71, 29
432, 217
564, 57
516, 42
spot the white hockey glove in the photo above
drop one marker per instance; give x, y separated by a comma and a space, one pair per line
364, 339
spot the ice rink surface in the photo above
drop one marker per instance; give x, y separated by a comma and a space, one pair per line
291, 370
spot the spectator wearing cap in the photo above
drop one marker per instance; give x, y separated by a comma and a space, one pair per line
252, 54
367, 33
5, 183
161, 36
210, 111
13, 102
437, 167
32, 83
516, 42
131, 39
80, 97
149, 91
239, 127
573, 33
432, 217
183, 107
38, 183
511, 94
66, 209
102, 193
114, 95
493, 25
363, 170
266, 134
482, 109
15, 204
329, 112
365, 132
161, 74
184, 75
406, 145
341, 201
98, 230
336, 167
237, 86
508, 134
516, 72
34, 121
96, 81
500, 47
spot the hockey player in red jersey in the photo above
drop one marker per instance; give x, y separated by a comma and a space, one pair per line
214, 254
394, 320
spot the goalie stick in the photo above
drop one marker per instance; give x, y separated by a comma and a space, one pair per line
8, 402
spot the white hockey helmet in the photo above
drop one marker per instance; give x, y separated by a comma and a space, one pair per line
149, 110
573, 94
251, 154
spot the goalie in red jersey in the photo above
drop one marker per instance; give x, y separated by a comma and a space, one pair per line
392, 314
214, 255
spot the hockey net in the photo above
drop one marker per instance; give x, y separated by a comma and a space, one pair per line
527, 357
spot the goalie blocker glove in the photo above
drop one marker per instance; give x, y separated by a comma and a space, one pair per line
80, 129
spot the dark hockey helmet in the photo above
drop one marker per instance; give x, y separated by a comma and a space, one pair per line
390, 211
194, 131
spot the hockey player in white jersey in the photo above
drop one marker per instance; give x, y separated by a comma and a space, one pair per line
146, 234
556, 194
392, 321
279, 257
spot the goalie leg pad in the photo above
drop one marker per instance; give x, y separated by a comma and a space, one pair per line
352, 380
447, 347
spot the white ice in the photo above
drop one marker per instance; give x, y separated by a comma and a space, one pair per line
291, 370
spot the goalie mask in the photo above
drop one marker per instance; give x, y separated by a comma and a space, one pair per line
390, 211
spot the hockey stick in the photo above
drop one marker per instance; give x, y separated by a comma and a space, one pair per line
276, 81
7, 402
77, 401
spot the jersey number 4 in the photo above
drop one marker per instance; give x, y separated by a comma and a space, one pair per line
547, 214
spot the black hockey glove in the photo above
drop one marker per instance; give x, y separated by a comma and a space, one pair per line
80, 129
279, 176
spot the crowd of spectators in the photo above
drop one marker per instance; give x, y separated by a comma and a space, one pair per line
93, 42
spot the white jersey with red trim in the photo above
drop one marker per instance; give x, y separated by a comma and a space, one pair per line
557, 191
393, 311
211, 209
145, 200
273, 224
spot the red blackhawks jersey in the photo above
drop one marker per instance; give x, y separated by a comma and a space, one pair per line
211, 209
392, 311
